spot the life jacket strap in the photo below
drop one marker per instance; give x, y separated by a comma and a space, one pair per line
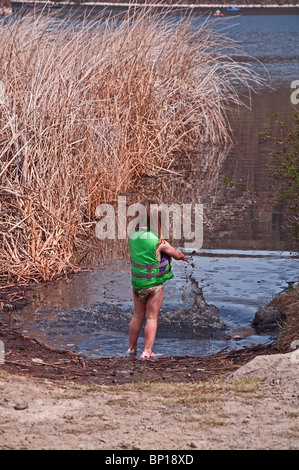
150, 266
149, 275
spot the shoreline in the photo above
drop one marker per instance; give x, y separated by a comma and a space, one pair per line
59, 364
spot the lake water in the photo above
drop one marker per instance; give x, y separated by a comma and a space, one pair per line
245, 259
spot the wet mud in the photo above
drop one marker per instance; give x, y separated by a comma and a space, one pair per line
26, 356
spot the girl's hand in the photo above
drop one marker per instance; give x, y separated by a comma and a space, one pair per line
169, 250
184, 258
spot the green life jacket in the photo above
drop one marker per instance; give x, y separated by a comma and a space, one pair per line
147, 269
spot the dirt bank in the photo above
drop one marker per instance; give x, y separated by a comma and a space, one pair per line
56, 400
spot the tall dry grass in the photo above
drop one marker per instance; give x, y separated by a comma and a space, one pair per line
88, 107
288, 305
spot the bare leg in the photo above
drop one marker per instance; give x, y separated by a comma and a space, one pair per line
153, 306
136, 322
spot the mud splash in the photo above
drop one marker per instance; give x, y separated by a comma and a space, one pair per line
194, 318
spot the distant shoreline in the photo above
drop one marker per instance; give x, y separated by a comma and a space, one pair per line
232, 4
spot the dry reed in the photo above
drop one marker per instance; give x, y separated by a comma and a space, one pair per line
88, 107
288, 304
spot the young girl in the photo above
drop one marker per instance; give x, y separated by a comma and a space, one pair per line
150, 257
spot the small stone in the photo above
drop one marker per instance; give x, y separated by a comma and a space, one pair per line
7, 306
294, 344
21, 406
37, 360
192, 445
266, 318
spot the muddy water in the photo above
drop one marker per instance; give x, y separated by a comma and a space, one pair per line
245, 259
90, 312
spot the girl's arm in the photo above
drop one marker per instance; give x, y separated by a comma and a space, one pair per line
169, 250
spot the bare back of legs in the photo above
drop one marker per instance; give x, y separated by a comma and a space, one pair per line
150, 311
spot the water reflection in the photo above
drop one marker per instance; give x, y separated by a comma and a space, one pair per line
256, 220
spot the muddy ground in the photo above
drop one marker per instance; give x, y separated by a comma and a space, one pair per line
28, 356
49, 399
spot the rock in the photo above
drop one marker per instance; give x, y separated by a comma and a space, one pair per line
240, 333
279, 369
37, 360
266, 318
7, 307
294, 344
193, 445
21, 406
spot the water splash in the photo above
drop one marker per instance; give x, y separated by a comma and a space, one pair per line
195, 317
